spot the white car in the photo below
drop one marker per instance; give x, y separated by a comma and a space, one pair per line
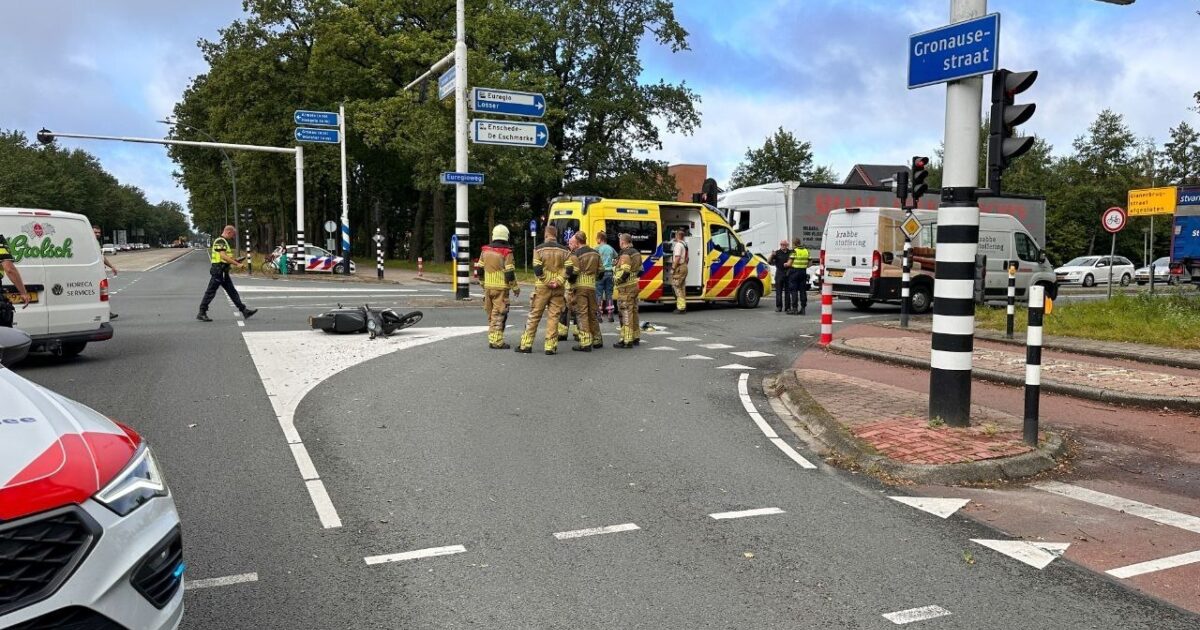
320, 260
1162, 273
89, 534
1089, 271
109, 249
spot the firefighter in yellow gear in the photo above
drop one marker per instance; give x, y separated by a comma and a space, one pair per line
583, 265
549, 266
629, 267
498, 276
679, 271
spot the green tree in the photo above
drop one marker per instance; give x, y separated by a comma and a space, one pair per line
1181, 156
782, 158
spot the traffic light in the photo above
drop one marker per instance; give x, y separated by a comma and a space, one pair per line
45, 136
1003, 145
900, 187
919, 175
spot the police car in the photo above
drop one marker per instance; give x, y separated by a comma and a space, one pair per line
89, 535
320, 260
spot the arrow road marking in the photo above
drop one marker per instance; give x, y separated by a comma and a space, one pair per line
593, 531
1036, 554
415, 555
923, 613
942, 508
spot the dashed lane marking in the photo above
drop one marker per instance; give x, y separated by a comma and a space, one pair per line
416, 555
715, 346
735, 366
748, 405
911, 615
682, 339
696, 357
664, 349
193, 585
1170, 562
594, 531
1120, 504
720, 516
752, 354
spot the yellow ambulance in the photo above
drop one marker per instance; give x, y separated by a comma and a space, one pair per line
720, 267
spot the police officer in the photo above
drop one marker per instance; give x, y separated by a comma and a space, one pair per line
9, 269
498, 275
779, 260
798, 276
222, 259
679, 271
629, 267
583, 265
549, 262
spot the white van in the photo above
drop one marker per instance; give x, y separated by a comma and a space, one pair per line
862, 253
60, 262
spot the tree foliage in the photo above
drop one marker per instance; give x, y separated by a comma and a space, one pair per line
782, 158
52, 178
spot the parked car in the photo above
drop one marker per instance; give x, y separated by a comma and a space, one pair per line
109, 249
89, 533
1089, 271
320, 260
1162, 272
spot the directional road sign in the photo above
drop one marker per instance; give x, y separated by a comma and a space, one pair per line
446, 83
320, 119
1114, 219
326, 136
512, 134
1189, 196
1151, 201
507, 102
957, 51
470, 179
454, 246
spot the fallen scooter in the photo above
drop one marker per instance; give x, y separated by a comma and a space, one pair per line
374, 321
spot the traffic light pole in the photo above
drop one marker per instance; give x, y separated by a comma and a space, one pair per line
957, 243
461, 219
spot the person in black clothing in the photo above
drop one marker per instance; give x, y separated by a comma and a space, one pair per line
779, 259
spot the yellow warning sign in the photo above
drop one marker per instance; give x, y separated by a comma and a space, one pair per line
1151, 201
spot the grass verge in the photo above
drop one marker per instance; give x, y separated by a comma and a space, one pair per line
1171, 321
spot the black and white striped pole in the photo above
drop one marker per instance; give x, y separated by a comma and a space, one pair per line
249, 252
379, 254
1033, 362
1012, 299
906, 281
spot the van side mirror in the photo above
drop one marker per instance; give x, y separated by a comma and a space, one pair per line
14, 346
1041, 256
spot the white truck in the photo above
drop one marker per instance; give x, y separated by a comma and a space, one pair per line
862, 254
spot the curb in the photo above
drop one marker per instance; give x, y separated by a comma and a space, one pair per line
840, 442
1056, 343
1177, 403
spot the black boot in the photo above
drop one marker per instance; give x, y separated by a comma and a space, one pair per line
581, 348
202, 316
248, 313
524, 350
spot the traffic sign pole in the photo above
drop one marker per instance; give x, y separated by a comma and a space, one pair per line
1114, 220
345, 194
301, 259
462, 287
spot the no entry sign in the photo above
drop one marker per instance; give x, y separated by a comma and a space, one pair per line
1114, 220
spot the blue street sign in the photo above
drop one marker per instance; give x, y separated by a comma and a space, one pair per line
447, 83
511, 134
533, 226
320, 119
326, 136
454, 246
957, 51
508, 102
1189, 196
470, 179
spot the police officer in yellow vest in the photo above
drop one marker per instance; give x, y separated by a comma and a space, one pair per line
583, 265
798, 277
498, 275
221, 257
549, 262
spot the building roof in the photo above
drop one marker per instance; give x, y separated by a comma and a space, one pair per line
872, 174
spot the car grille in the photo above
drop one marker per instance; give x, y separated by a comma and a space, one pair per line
38, 554
73, 618
158, 576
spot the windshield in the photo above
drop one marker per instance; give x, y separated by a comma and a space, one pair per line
1162, 262
1083, 261
566, 228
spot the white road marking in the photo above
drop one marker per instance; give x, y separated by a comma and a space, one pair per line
807, 336
862, 316
276, 355
682, 339
260, 288
735, 366
161, 265
416, 555
593, 531
1128, 506
1036, 554
1170, 562
192, 585
923, 613
241, 323
745, 513
696, 357
664, 349
837, 321
942, 508
715, 346
752, 354
761, 423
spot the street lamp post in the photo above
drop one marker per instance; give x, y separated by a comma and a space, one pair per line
237, 245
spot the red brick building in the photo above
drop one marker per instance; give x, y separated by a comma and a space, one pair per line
689, 179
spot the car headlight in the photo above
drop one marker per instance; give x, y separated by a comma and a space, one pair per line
140, 481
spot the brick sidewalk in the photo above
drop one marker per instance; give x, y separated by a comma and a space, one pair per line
893, 421
1070, 372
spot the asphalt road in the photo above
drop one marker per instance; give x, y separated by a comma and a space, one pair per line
504, 465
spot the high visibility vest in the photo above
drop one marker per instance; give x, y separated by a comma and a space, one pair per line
219, 246
800, 258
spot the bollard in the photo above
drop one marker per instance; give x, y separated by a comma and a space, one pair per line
249, 255
379, 254
826, 313
1033, 362
420, 267
1012, 299
906, 282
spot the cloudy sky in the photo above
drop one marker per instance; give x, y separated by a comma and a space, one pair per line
832, 71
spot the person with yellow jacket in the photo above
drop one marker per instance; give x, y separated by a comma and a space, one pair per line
498, 276
549, 264
583, 265
222, 258
798, 278
629, 267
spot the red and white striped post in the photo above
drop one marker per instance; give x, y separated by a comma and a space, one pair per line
826, 313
